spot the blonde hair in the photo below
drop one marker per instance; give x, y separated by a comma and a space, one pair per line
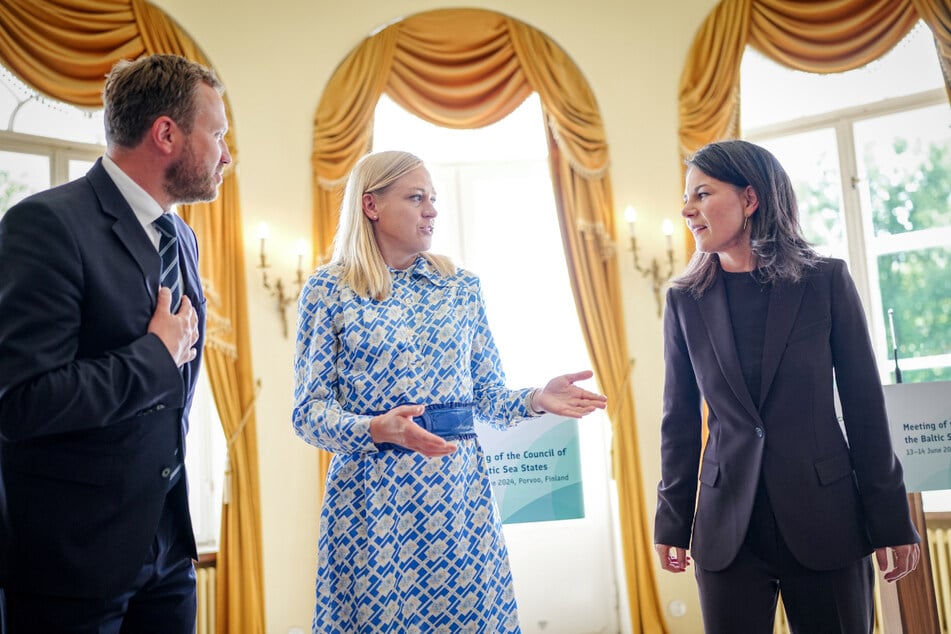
355, 247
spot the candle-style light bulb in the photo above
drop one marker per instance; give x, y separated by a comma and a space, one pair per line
668, 228
264, 232
301, 252
630, 215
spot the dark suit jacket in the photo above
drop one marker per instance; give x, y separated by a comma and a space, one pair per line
93, 410
834, 499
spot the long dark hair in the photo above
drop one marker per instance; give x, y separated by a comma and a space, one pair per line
780, 251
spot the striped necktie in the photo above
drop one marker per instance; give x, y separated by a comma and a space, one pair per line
168, 250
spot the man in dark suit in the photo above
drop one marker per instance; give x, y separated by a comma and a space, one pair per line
98, 366
765, 332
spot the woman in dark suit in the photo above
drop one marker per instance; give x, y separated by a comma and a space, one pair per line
763, 330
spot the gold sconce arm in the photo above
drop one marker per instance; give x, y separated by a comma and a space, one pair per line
652, 271
277, 289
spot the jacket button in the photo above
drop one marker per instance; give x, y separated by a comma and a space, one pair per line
759, 432
167, 471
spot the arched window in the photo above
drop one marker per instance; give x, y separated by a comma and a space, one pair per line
497, 218
869, 152
479, 66
44, 143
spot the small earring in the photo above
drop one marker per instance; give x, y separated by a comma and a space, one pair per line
746, 221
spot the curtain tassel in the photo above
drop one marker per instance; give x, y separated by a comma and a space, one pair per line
226, 487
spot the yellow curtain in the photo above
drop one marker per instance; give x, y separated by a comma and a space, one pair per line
65, 49
817, 37
465, 68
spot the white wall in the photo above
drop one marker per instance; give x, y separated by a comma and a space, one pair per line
275, 58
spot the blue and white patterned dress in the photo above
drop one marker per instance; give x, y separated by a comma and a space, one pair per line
407, 543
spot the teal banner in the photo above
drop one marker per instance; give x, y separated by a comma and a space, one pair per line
920, 418
535, 469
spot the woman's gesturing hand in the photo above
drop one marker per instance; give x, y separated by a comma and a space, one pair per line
397, 427
561, 396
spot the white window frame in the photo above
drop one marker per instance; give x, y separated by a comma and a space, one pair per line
456, 180
60, 152
206, 435
857, 225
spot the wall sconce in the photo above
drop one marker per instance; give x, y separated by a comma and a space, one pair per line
653, 270
277, 290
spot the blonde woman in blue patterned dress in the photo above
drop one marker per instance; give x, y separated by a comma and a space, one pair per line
394, 359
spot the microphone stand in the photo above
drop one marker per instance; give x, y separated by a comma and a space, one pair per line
909, 606
891, 324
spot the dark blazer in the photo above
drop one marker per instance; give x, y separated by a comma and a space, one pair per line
93, 410
835, 499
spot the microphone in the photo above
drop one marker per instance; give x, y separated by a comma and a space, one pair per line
891, 324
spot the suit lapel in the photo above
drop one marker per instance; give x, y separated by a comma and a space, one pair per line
191, 281
188, 261
784, 303
127, 227
716, 318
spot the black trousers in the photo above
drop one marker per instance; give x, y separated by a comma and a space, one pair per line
162, 599
742, 598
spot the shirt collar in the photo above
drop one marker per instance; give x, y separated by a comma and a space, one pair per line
145, 207
421, 268
425, 269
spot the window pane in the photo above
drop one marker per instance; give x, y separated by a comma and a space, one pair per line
905, 163
60, 121
78, 167
33, 113
21, 175
917, 286
812, 162
396, 129
497, 217
905, 159
805, 94
922, 376
205, 466
502, 197
8, 99
896, 162
936, 501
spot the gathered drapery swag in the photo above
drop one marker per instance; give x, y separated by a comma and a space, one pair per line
64, 49
814, 37
465, 68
